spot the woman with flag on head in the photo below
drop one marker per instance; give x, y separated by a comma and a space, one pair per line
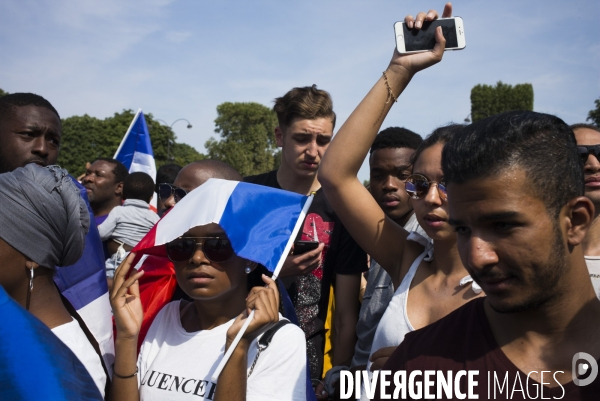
202, 235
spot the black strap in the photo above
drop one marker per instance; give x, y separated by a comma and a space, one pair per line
266, 338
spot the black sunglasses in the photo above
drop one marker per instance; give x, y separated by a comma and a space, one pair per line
586, 150
166, 190
215, 249
417, 186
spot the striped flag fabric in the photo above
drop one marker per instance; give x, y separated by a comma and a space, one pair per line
84, 285
34, 363
135, 150
259, 221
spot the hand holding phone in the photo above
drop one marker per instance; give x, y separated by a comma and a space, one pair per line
416, 38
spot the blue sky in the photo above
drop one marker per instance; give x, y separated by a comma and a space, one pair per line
182, 58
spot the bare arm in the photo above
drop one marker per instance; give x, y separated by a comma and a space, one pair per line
233, 379
127, 309
377, 234
347, 306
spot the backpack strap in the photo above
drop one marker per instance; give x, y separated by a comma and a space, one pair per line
264, 341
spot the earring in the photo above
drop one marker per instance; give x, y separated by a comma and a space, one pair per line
247, 269
30, 288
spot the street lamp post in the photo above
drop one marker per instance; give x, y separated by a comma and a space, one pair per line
171, 126
467, 119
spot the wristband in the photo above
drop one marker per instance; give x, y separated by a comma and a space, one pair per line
125, 377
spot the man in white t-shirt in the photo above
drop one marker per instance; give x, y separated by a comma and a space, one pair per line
588, 144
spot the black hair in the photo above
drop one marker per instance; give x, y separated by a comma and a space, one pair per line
255, 280
541, 144
166, 174
396, 137
439, 135
138, 185
218, 169
120, 171
9, 102
584, 125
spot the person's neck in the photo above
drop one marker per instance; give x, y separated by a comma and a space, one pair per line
446, 259
215, 312
568, 319
401, 221
591, 242
45, 302
106, 207
290, 181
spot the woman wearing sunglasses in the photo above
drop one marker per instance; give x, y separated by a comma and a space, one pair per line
187, 340
429, 283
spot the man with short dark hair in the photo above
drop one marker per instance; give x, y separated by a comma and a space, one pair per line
103, 181
515, 192
164, 175
306, 121
390, 165
30, 131
588, 145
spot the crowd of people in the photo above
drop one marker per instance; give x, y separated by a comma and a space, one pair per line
474, 249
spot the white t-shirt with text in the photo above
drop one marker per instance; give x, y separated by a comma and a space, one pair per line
177, 365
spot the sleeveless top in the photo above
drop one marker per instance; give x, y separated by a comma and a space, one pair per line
394, 323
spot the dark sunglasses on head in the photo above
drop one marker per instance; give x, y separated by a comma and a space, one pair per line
586, 150
166, 190
418, 186
215, 249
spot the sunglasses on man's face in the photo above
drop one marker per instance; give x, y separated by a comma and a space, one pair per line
417, 186
216, 249
586, 150
166, 190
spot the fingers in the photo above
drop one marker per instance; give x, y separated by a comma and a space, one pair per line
440, 44
271, 284
121, 273
122, 290
409, 20
447, 10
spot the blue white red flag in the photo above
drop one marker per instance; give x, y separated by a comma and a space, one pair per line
135, 150
34, 363
84, 286
260, 222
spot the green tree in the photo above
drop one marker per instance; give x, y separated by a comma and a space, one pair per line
86, 138
594, 115
247, 141
489, 100
2, 93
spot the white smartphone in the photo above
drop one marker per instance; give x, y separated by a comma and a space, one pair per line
422, 40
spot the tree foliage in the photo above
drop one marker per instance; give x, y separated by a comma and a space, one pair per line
2, 93
86, 138
247, 141
489, 100
594, 115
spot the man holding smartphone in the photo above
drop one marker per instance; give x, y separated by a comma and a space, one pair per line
306, 121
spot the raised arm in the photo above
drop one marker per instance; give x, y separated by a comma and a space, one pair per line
127, 309
377, 234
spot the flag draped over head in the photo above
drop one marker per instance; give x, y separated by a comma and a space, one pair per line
135, 150
258, 220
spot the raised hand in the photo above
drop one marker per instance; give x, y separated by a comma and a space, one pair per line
265, 303
125, 300
416, 62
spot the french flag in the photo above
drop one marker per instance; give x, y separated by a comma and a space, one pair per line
260, 222
84, 286
135, 150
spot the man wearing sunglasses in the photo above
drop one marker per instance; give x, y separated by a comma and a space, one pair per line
588, 146
306, 121
165, 174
